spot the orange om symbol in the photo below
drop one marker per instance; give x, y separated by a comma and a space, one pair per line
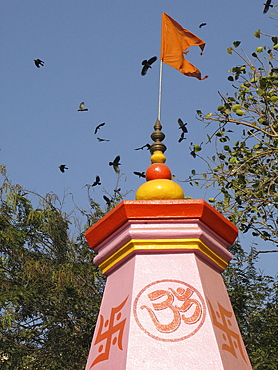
183, 295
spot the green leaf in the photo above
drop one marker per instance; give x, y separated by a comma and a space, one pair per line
197, 148
236, 43
221, 156
233, 160
199, 112
241, 178
208, 115
274, 99
235, 107
230, 50
211, 200
240, 112
257, 34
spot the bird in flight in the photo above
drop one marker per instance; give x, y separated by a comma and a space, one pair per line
100, 139
38, 63
147, 64
107, 200
181, 137
140, 174
182, 126
144, 146
267, 5
202, 25
81, 107
63, 168
116, 163
98, 127
97, 181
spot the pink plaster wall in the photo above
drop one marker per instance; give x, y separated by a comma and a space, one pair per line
165, 311
144, 347
171, 230
216, 296
119, 286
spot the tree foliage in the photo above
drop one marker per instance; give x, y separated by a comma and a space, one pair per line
243, 172
50, 288
244, 168
254, 297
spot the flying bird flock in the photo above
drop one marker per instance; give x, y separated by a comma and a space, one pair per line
146, 67
147, 64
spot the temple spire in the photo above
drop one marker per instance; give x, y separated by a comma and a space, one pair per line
159, 183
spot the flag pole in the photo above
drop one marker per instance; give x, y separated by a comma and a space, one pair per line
159, 91
158, 136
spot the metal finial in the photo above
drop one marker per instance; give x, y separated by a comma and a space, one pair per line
157, 136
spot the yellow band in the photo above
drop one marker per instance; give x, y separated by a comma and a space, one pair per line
161, 244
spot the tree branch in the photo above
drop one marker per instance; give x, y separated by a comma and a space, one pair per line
253, 256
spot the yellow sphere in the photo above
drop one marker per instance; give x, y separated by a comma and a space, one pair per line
158, 157
159, 189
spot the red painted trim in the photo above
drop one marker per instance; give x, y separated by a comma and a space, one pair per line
157, 210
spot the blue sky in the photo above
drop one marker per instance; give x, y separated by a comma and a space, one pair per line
92, 52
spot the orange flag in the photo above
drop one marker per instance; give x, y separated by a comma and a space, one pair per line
175, 41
